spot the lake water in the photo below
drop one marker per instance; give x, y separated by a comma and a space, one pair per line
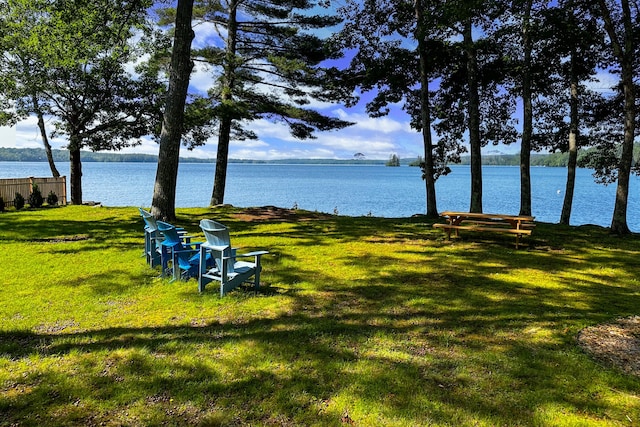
347, 189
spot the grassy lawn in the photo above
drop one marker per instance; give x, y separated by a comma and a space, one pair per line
360, 321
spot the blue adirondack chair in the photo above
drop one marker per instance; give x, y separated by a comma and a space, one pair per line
179, 258
225, 269
153, 237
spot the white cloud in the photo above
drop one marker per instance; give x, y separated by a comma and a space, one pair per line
376, 138
318, 153
7, 136
206, 34
380, 124
147, 146
199, 153
28, 135
201, 79
315, 104
376, 141
355, 143
267, 130
250, 143
604, 82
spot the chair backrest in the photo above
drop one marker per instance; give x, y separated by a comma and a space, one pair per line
171, 236
216, 234
149, 220
183, 253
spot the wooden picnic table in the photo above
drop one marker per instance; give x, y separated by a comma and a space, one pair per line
519, 225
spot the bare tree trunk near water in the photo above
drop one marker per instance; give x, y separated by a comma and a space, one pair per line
164, 190
527, 119
45, 139
623, 47
75, 166
473, 117
226, 121
573, 147
425, 114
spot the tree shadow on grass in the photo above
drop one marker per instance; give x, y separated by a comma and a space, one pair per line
440, 347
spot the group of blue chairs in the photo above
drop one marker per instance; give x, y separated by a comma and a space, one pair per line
179, 257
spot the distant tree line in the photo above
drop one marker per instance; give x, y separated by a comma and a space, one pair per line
40, 155
547, 160
584, 159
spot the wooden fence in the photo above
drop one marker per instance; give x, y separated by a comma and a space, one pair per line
10, 186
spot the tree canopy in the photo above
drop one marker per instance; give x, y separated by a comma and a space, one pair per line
68, 60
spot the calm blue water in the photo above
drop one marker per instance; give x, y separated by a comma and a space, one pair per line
348, 189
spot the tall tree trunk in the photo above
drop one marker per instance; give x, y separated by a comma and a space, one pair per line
527, 119
164, 190
573, 146
222, 159
619, 220
224, 134
75, 166
45, 139
473, 108
624, 51
425, 114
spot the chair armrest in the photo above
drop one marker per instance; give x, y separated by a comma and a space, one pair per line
189, 246
256, 253
215, 248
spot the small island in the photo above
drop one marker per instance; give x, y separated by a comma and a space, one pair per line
394, 160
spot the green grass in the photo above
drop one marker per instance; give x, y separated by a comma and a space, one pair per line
360, 321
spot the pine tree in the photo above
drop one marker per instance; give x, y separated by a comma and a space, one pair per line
267, 60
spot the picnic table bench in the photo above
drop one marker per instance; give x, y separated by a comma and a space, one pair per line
519, 225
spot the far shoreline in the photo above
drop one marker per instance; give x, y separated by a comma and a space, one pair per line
39, 155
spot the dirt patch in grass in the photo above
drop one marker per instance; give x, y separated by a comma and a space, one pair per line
273, 213
615, 344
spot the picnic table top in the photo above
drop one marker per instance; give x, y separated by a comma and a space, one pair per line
473, 215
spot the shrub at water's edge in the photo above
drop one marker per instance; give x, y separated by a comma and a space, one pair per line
52, 199
18, 201
35, 198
